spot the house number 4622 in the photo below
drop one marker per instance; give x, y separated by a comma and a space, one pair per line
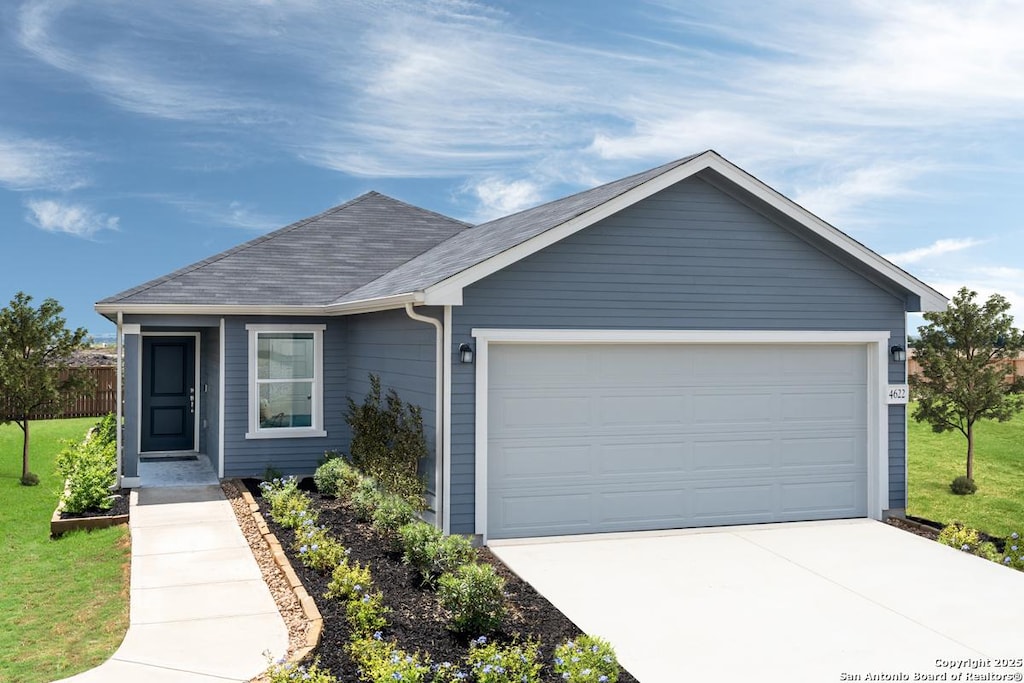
898, 394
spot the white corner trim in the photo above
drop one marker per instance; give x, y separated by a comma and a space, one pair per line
446, 441
131, 328
222, 375
131, 482
876, 347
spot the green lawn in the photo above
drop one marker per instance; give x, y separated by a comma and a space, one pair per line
935, 459
63, 603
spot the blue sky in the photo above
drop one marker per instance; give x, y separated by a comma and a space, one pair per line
138, 137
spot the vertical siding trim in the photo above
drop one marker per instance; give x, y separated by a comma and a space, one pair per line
120, 398
220, 400
481, 435
446, 424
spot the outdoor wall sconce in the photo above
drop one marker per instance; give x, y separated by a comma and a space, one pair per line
898, 353
465, 353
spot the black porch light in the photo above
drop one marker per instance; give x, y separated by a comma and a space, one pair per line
898, 353
465, 353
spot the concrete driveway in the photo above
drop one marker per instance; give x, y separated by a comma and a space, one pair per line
815, 601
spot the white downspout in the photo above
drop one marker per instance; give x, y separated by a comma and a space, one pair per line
119, 399
441, 502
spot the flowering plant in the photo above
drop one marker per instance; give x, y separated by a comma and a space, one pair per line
494, 663
587, 659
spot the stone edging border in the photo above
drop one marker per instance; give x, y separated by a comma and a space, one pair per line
309, 608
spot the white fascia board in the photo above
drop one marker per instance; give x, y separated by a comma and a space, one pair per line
347, 308
450, 290
931, 300
565, 336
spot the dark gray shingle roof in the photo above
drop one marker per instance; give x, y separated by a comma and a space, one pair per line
312, 262
470, 247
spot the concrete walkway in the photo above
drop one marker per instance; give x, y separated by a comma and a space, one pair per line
801, 602
200, 610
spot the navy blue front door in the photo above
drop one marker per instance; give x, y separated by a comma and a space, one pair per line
168, 393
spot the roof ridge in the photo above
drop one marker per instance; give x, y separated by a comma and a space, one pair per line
191, 268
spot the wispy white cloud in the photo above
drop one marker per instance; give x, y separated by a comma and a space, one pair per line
28, 164
838, 196
497, 197
937, 248
231, 214
73, 219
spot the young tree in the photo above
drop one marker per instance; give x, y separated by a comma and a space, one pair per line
965, 354
35, 372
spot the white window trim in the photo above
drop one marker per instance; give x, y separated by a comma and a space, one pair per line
876, 347
317, 429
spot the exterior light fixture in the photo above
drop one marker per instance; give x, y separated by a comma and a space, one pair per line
898, 353
465, 353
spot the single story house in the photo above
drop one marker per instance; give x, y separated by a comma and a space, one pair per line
683, 347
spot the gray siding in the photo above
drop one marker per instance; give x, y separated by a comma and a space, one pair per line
401, 351
690, 258
251, 457
130, 437
209, 392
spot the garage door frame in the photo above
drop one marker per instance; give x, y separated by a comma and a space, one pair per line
876, 344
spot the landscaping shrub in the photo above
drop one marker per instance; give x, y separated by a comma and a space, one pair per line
989, 551
349, 581
494, 663
446, 672
365, 499
587, 659
447, 554
388, 442
962, 486
317, 548
392, 513
286, 672
367, 614
336, 477
1013, 555
88, 469
106, 429
278, 489
958, 535
381, 661
474, 596
415, 538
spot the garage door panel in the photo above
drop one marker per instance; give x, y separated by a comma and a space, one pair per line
731, 501
638, 410
733, 407
537, 463
589, 438
827, 452
711, 457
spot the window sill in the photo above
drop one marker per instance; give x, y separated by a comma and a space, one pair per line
286, 433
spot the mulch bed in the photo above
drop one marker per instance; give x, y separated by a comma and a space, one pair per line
120, 508
416, 620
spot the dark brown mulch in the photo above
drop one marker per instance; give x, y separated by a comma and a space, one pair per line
930, 529
416, 621
120, 508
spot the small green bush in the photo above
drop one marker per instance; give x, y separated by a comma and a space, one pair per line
336, 477
494, 663
349, 581
474, 596
381, 661
106, 429
88, 469
447, 672
416, 537
391, 514
29, 479
365, 499
286, 672
587, 659
1013, 553
962, 486
317, 548
293, 511
958, 535
989, 551
447, 554
388, 442
367, 614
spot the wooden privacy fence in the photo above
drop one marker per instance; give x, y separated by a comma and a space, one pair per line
102, 399
1018, 367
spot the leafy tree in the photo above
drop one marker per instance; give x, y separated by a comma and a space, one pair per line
965, 354
35, 372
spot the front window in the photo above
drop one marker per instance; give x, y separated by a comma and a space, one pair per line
286, 368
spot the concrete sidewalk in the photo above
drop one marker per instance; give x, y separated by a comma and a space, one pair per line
200, 610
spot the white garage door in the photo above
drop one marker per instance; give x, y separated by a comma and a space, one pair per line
589, 438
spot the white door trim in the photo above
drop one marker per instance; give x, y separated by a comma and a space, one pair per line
876, 347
